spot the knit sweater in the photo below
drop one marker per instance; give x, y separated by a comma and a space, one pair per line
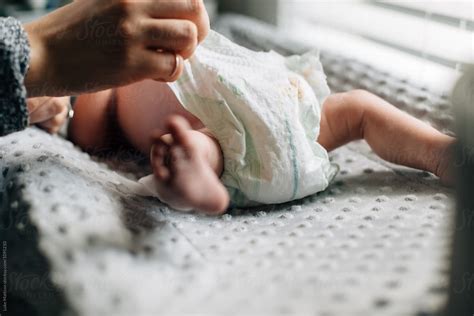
14, 60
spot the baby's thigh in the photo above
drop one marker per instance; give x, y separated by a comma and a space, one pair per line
143, 108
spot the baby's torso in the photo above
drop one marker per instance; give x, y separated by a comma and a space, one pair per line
144, 107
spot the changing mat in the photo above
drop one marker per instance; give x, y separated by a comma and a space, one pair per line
355, 249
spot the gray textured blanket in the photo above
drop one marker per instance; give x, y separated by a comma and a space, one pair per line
79, 241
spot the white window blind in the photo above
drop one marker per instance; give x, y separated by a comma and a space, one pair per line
441, 31
449, 11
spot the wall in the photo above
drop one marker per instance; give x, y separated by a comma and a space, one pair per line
266, 10
211, 6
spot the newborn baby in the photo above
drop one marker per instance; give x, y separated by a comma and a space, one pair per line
242, 128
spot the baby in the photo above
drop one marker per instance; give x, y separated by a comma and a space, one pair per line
216, 140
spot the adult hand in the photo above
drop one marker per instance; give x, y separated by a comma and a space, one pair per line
92, 45
48, 113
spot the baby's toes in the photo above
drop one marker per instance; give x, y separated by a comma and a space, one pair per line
179, 127
177, 157
159, 154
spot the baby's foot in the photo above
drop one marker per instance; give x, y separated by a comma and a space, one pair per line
183, 164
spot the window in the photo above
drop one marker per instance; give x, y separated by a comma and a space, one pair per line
415, 37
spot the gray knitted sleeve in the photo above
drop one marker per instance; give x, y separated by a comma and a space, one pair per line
14, 60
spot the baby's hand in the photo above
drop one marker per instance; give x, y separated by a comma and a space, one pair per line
48, 113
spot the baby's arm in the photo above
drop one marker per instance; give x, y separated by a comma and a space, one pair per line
94, 127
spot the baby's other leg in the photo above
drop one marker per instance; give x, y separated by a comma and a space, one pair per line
187, 165
392, 134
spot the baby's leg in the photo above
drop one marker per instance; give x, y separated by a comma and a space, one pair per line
187, 162
187, 165
392, 134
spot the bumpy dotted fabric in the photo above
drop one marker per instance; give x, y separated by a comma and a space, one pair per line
376, 242
14, 60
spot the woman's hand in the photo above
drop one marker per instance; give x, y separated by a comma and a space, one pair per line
92, 45
48, 113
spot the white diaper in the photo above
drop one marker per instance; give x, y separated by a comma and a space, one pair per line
265, 111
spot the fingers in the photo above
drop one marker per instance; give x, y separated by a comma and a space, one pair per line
104, 40
48, 113
192, 10
53, 125
44, 110
34, 104
166, 9
162, 66
178, 36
